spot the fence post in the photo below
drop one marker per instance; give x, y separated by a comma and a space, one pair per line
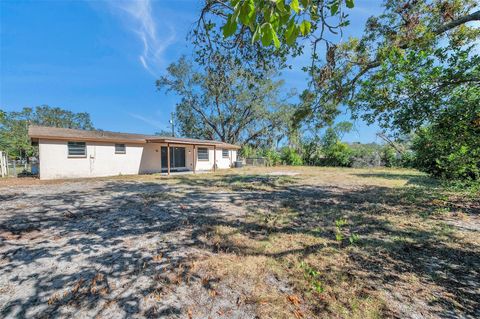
2, 165
14, 168
6, 164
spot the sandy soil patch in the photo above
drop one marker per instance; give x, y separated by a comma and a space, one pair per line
288, 242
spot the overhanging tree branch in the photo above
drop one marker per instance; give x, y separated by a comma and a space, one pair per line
475, 16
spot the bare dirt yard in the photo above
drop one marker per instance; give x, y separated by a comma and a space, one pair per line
250, 243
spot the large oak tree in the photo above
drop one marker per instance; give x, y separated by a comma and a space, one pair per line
225, 101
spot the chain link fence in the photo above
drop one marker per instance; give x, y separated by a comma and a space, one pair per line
255, 161
17, 168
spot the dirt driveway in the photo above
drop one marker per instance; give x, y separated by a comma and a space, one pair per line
240, 244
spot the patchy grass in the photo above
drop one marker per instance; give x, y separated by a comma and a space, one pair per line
342, 251
280, 242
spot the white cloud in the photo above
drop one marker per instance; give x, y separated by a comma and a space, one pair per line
139, 16
154, 123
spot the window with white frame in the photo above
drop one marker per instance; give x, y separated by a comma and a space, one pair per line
77, 149
225, 153
202, 154
120, 149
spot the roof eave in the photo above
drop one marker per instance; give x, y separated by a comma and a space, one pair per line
213, 143
87, 139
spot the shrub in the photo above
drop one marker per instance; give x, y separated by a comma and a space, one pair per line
273, 157
389, 156
450, 147
291, 157
365, 155
248, 151
311, 151
445, 158
337, 154
407, 159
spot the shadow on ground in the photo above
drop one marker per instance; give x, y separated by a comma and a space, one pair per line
412, 179
123, 249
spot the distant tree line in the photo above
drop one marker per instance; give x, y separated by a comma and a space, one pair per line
327, 149
14, 126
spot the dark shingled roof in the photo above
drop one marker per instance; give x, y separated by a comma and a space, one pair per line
46, 132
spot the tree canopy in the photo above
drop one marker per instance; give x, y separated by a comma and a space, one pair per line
403, 70
262, 28
14, 126
415, 70
227, 102
368, 74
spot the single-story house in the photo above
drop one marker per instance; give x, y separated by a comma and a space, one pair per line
72, 153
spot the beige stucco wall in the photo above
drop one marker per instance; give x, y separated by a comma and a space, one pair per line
226, 162
221, 162
101, 160
204, 165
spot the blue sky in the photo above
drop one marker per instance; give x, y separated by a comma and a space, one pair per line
102, 57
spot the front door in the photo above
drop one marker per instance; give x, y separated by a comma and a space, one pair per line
177, 158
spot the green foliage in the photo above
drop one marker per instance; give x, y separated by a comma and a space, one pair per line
366, 155
337, 154
423, 88
342, 128
262, 34
311, 275
335, 133
339, 224
353, 239
225, 101
389, 156
338, 235
291, 157
405, 73
450, 147
374, 155
311, 151
247, 151
279, 21
402, 71
471, 188
407, 160
330, 151
273, 157
14, 126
